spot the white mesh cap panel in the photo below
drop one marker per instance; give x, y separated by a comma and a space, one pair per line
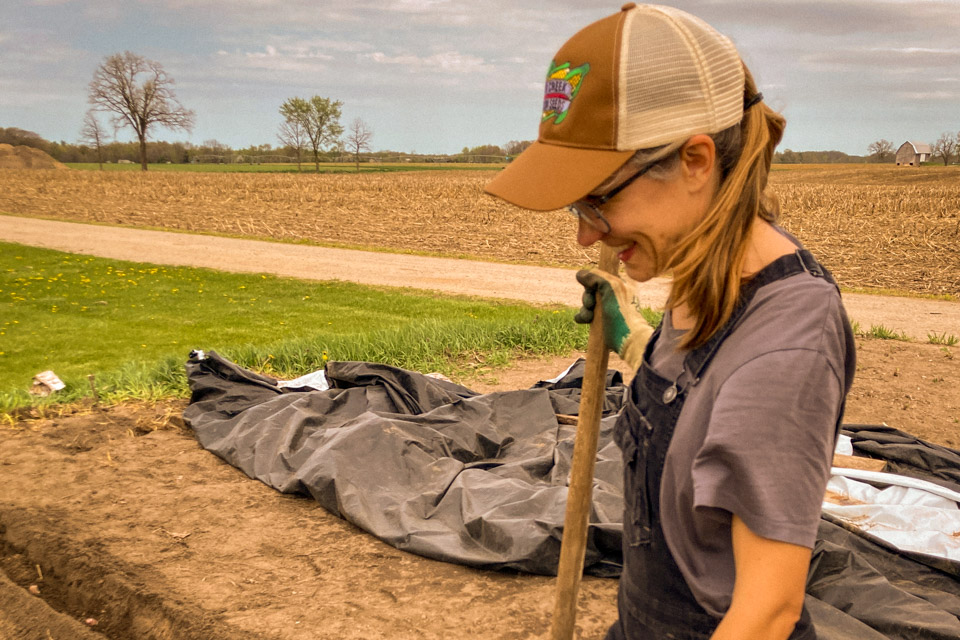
678, 77
724, 74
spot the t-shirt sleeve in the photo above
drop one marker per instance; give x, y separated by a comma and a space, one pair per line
769, 445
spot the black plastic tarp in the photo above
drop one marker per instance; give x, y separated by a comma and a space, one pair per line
436, 469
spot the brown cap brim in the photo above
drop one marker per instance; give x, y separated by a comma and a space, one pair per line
547, 176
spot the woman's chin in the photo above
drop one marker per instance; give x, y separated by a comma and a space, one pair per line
638, 273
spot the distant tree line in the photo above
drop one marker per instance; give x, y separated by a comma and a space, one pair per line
158, 152
790, 156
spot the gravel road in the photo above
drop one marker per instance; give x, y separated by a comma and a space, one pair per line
915, 317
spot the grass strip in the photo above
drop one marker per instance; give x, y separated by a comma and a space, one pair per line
133, 325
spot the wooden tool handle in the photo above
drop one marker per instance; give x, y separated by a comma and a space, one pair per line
580, 493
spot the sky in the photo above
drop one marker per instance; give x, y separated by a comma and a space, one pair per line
434, 76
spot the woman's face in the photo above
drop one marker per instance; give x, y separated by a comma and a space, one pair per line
649, 217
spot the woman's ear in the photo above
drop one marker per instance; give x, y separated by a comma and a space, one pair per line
698, 159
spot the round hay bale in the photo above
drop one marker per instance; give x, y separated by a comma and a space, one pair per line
24, 157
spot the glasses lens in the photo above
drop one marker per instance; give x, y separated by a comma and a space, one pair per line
589, 215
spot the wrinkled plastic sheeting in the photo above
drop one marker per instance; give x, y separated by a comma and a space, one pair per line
883, 590
423, 464
436, 469
908, 518
906, 454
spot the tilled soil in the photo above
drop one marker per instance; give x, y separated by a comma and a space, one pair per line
131, 523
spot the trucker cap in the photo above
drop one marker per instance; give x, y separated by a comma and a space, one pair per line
644, 77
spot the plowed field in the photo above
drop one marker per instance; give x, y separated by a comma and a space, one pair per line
873, 226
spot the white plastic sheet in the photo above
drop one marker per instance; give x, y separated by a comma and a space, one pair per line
913, 515
314, 380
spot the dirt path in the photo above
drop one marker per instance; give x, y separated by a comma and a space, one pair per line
915, 317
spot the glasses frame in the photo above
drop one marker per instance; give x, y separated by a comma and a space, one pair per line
588, 209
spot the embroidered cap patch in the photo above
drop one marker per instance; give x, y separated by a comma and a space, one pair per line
563, 85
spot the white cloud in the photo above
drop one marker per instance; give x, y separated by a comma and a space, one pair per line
34, 48
272, 59
928, 95
20, 92
281, 58
416, 6
889, 59
451, 61
327, 44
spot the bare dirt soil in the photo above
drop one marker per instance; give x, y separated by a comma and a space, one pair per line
131, 523
117, 516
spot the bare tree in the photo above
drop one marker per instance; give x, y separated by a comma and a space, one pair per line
293, 135
217, 149
945, 146
358, 139
215, 146
881, 149
117, 89
93, 134
516, 147
320, 119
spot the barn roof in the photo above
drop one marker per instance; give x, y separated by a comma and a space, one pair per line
920, 147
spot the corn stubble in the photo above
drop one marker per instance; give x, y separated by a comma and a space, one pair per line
873, 226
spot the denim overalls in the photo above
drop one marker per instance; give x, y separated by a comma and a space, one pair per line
654, 600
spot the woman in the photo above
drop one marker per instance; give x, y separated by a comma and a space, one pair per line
654, 134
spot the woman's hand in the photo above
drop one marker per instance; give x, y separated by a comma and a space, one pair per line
624, 329
769, 588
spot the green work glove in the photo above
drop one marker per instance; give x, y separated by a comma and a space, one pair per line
624, 329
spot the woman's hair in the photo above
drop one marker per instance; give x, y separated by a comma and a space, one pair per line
707, 265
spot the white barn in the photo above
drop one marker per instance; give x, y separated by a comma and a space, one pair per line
911, 154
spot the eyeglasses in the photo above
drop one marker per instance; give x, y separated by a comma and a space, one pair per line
588, 209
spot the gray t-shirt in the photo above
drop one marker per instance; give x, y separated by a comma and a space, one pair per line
757, 432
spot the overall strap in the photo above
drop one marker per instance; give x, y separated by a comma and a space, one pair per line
783, 267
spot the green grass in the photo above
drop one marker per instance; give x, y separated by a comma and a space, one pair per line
134, 324
307, 167
652, 316
946, 339
879, 332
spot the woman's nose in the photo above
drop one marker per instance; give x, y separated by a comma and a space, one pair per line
587, 234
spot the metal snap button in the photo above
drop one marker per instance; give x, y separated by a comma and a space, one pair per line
670, 394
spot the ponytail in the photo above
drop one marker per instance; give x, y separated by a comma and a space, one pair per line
707, 273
